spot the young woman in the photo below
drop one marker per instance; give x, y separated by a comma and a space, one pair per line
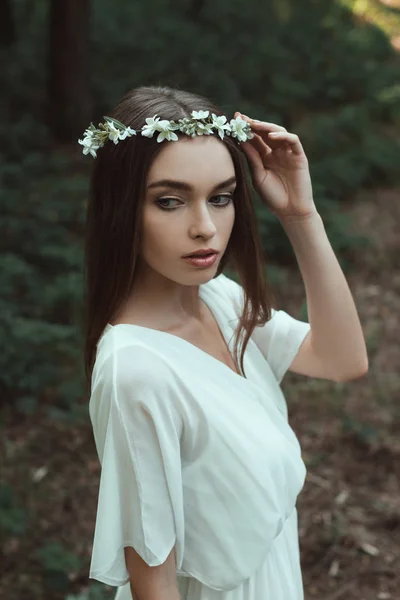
200, 467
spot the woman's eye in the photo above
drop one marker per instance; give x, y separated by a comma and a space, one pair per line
227, 198
166, 200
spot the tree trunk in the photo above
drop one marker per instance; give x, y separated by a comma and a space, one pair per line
69, 94
7, 25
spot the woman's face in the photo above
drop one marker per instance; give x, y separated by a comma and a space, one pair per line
188, 206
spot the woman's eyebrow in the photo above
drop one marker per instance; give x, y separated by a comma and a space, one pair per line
181, 185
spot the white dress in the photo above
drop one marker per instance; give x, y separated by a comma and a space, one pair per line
196, 455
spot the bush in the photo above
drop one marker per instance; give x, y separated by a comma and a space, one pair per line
304, 64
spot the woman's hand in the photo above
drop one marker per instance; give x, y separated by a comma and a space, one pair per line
279, 169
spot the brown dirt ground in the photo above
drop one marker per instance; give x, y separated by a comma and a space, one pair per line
349, 509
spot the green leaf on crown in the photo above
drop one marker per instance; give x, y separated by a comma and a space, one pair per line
115, 122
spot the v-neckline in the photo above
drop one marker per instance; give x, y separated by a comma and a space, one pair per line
166, 333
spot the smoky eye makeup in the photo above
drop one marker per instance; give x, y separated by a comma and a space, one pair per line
225, 199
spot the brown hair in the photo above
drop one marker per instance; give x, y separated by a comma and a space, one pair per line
113, 222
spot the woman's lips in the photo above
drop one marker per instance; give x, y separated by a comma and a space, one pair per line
201, 260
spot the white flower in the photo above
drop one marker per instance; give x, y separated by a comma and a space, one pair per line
165, 128
87, 138
90, 148
204, 129
167, 135
198, 124
200, 114
93, 152
89, 133
113, 133
128, 132
186, 126
166, 131
220, 124
151, 127
86, 143
238, 129
89, 143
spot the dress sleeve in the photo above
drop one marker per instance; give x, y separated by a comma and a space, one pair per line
137, 432
279, 339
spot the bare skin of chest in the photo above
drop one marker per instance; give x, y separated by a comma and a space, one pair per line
207, 336
212, 342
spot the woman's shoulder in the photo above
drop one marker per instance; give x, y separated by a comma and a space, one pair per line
130, 376
225, 291
129, 357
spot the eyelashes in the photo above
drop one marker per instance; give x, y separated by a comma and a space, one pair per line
228, 197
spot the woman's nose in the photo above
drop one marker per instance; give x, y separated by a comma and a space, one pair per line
202, 222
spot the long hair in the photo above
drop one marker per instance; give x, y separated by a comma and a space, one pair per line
113, 220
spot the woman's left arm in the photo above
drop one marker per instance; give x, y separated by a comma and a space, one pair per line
335, 347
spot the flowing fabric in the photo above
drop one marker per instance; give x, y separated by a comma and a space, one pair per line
199, 457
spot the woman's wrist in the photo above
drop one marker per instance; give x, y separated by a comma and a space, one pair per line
288, 220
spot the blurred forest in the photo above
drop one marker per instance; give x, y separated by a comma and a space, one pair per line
326, 70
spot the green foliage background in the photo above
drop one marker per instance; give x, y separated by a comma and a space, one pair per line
302, 64
306, 64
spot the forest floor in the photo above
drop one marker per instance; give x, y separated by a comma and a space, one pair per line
349, 509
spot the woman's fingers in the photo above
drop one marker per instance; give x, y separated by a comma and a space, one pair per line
261, 125
265, 126
269, 137
253, 156
289, 140
259, 144
263, 139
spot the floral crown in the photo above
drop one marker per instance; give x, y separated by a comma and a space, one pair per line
200, 123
